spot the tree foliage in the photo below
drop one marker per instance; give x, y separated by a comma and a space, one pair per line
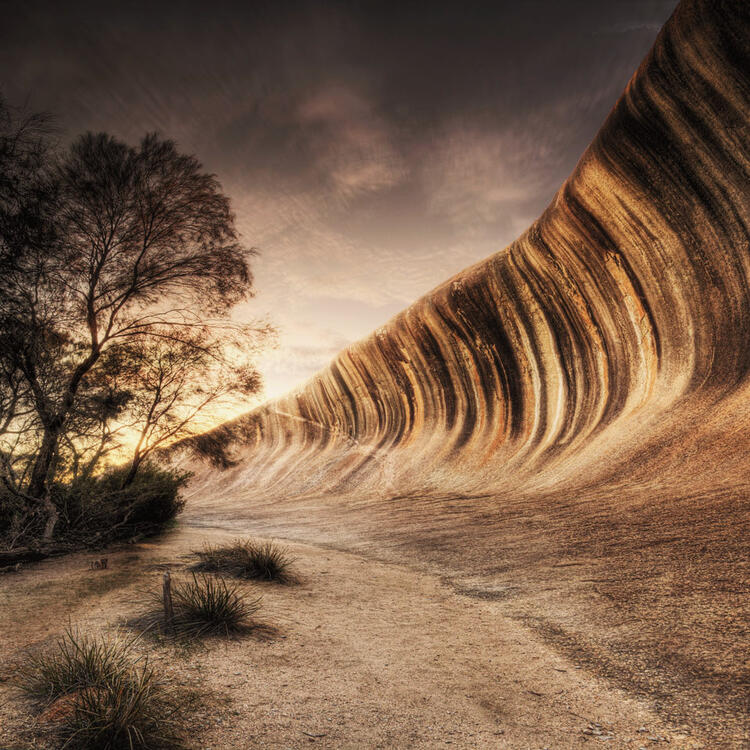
119, 268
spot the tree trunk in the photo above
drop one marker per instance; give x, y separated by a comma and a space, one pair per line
38, 483
15, 557
135, 464
53, 424
52, 517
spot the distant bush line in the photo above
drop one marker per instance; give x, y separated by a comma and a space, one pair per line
96, 511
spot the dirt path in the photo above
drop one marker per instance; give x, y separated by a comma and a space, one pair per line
365, 655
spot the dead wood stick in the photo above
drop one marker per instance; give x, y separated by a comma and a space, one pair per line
168, 607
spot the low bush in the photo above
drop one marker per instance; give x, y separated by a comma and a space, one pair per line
201, 606
136, 713
209, 606
246, 558
16, 525
95, 511
98, 696
101, 509
74, 662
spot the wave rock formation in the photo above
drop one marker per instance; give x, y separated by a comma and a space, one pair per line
565, 426
627, 298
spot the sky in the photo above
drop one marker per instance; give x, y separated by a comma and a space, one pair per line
370, 150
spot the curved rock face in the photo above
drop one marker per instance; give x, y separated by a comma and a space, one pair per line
625, 304
564, 427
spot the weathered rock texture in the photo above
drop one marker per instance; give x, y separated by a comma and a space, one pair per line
628, 301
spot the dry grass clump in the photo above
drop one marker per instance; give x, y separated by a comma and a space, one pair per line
203, 606
100, 697
75, 662
246, 558
207, 606
136, 712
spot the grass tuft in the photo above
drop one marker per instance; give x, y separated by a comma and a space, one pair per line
99, 696
203, 606
75, 662
126, 714
246, 558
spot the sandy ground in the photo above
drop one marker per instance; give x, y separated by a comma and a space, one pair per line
363, 654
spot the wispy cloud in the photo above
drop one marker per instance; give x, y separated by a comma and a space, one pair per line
354, 147
370, 150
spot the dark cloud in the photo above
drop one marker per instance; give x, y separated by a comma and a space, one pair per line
371, 150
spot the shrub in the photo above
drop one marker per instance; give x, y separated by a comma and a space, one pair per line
260, 561
99, 509
16, 523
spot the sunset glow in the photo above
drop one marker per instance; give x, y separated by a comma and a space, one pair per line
365, 167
